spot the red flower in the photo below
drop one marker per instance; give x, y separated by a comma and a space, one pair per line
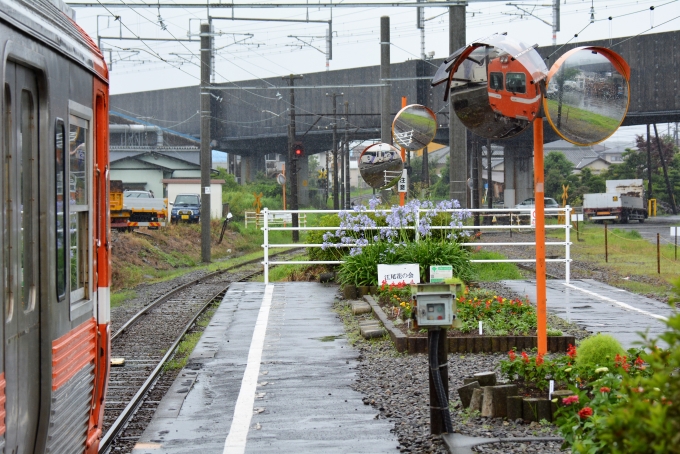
512, 355
539, 359
570, 400
571, 351
604, 389
639, 362
525, 357
585, 412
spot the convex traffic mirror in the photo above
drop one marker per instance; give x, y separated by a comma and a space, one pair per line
380, 165
587, 94
414, 127
497, 86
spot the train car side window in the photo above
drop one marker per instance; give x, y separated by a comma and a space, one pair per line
496, 81
60, 177
78, 207
516, 82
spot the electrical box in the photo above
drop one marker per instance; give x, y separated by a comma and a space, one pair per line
436, 304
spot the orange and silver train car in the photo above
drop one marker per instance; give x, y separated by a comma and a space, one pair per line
55, 274
511, 91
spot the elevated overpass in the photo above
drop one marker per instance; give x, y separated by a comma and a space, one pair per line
250, 118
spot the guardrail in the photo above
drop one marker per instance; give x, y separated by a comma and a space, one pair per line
512, 213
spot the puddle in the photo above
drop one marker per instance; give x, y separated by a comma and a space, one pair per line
329, 338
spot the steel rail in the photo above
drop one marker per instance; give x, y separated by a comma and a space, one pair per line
129, 411
176, 290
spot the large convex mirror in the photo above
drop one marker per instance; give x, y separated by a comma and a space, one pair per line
414, 127
381, 165
587, 95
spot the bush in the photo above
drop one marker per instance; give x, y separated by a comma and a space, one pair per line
598, 350
317, 237
428, 252
362, 269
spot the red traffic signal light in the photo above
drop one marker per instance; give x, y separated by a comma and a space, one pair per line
298, 150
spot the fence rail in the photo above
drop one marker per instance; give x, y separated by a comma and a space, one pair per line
269, 225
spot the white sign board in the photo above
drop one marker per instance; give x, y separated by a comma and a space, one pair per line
675, 231
402, 186
403, 272
206, 190
577, 217
439, 273
533, 218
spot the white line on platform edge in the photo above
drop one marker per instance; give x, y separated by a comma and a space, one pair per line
243, 411
618, 303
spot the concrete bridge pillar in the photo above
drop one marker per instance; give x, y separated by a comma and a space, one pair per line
247, 165
519, 173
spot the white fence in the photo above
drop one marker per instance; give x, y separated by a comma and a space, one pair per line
513, 215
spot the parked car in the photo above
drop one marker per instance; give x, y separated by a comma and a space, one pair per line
186, 207
530, 203
138, 194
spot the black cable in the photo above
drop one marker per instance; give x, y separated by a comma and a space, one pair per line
433, 335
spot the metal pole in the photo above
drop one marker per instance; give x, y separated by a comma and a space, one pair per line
206, 153
658, 255
402, 195
539, 194
489, 175
457, 132
265, 246
385, 109
567, 240
347, 176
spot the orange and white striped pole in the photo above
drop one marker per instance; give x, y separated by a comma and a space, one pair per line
402, 195
539, 199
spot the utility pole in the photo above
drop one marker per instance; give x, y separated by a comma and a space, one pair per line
292, 162
457, 133
206, 153
336, 187
649, 166
665, 172
347, 176
385, 109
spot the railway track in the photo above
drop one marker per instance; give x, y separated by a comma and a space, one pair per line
147, 341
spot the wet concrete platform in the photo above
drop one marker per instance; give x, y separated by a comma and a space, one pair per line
600, 308
271, 373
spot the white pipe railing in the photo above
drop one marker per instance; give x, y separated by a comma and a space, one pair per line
266, 228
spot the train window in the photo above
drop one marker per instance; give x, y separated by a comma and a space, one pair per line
78, 207
516, 82
60, 174
496, 81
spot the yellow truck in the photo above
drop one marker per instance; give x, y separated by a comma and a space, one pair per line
132, 209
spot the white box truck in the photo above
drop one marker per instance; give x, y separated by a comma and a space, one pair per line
624, 201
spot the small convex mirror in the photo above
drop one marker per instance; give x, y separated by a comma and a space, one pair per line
587, 94
414, 127
380, 165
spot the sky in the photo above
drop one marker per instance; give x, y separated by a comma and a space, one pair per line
251, 50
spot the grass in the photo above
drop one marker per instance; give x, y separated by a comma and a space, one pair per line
574, 114
280, 272
117, 298
492, 272
189, 341
629, 254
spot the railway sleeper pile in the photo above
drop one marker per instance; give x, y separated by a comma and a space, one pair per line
482, 393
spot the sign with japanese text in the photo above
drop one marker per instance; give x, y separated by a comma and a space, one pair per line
439, 273
403, 272
402, 185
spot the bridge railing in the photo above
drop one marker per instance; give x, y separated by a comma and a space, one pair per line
514, 216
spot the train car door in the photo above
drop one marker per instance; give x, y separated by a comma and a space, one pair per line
20, 260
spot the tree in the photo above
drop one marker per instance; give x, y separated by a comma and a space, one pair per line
558, 169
